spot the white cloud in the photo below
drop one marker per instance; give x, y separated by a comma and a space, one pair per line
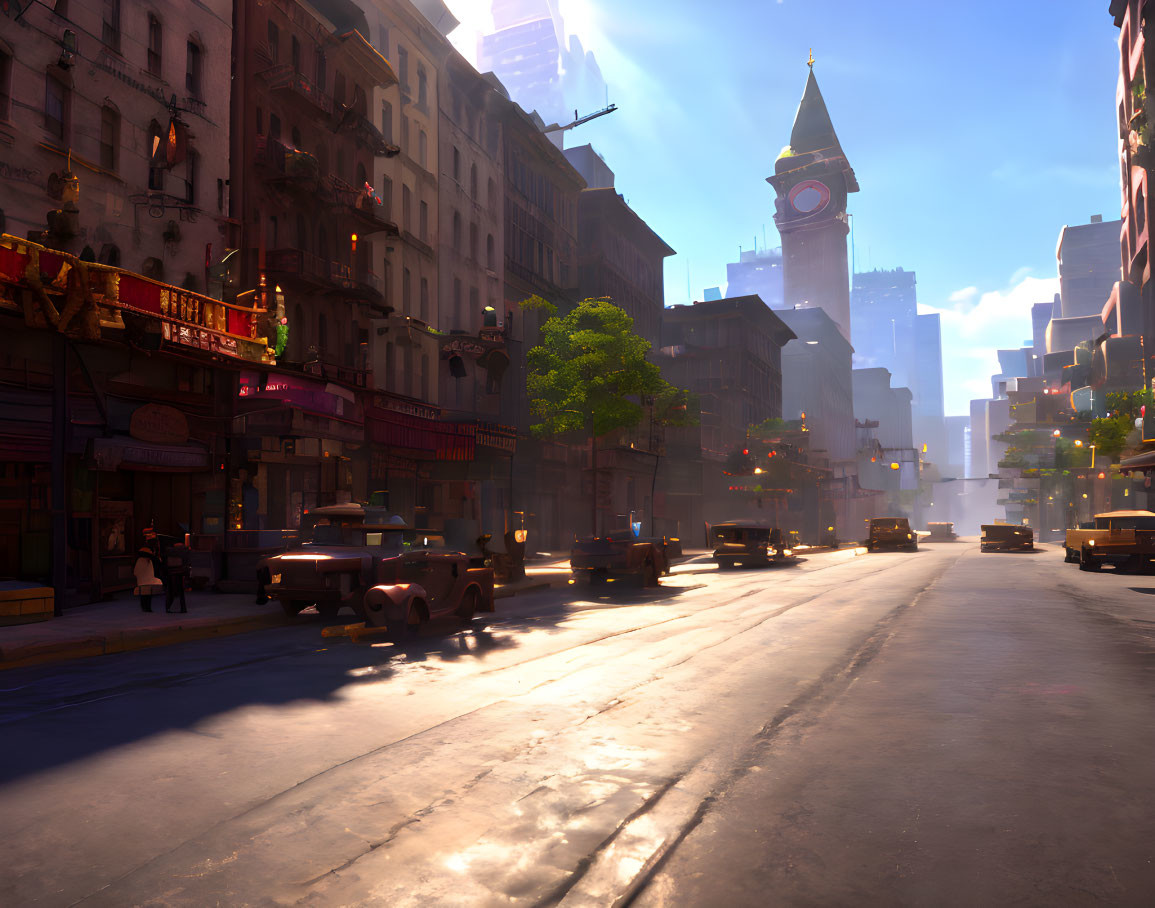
975, 325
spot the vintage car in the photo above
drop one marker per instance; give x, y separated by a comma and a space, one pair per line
1125, 539
620, 555
890, 532
1089, 535
389, 574
749, 542
941, 531
1006, 537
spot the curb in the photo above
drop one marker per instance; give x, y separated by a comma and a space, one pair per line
133, 639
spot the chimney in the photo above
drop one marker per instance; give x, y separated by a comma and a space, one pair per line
1096, 219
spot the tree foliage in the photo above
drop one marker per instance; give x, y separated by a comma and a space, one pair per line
1109, 434
589, 373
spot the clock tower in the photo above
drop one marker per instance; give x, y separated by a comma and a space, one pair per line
812, 178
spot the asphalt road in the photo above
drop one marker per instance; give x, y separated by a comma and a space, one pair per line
939, 728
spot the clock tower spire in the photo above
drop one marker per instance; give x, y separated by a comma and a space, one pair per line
812, 179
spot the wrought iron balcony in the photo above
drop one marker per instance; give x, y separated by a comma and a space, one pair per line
366, 134
284, 78
367, 210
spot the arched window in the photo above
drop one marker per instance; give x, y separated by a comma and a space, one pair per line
155, 44
194, 70
491, 194
456, 165
156, 157
295, 53
473, 240
457, 231
109, 255
424, 302
109, 137
473, 181
339, 88
295, 137
490, 254
360, 104
422, 86
423, 149
274, 35
362, 176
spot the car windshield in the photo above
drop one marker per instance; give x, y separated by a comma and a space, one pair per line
353, 536
1125, 523
889, 523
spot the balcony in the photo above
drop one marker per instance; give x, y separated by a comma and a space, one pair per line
366, 134
359, 283
287, 165
284, 79
298, 266
365, 209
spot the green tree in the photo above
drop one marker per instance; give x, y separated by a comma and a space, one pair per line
1109, 433
590, 375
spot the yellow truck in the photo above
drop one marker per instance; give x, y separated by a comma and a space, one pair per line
1125, 539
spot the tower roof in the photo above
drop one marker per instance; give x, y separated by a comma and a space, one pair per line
813, 130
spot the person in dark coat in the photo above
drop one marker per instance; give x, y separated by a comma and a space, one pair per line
177, 568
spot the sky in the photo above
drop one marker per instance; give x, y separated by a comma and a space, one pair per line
976, 131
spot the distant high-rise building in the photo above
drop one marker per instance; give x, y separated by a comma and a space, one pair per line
591, 165
954, 464
759, 272
812, 179
883, 307
529, 52
1089, 266
928, 408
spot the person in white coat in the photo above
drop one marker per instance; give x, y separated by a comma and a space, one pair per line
148, 583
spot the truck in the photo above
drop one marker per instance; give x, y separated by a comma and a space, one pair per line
1006, 537
621, 555
749, 542
1125, 539
890, 532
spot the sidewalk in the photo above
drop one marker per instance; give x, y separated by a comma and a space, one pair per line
119, 625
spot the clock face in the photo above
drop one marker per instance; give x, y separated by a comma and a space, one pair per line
809, 196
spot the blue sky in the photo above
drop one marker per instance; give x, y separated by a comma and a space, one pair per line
977, 130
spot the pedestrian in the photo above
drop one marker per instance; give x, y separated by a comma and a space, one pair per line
177, 569
146, 570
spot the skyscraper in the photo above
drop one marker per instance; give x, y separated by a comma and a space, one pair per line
542, 69
757, 272
883, 307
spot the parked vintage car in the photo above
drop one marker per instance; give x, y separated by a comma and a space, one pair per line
1089, 535
1006, 537
749, 542
621, 555
941, 531
1125, 539
387, 573
890, 532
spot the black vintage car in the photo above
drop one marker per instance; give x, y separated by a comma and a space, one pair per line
1004, 537
621, 555
750, 542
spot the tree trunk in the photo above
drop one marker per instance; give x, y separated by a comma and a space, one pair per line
594, 474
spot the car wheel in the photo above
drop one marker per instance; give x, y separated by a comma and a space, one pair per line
328, 611
1068, 555
294, 607
650, 576
468, 607
409, 628
1088, 563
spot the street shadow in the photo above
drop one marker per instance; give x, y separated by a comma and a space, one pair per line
61, 713
1149, 590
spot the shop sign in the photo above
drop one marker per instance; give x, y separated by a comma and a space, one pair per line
467, 345
503, 438
118, 453
158, 424
408, 407
299, 392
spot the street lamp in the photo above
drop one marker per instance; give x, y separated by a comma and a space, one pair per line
1056, 433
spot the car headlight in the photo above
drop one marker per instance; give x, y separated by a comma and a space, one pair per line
909, 536
1090, 542
788, 551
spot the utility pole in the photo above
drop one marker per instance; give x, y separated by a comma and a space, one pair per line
59, 485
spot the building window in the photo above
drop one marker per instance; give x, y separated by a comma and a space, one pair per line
473, 181
405, 134
155, 44
425, 300
295, 137
191, 163
457, 231
321, 70
5, 84
260, 122
383, 40
407, 208
456, 303
456, 165
491, 195
473, 241
422, 87
194, 69
295, 53
156, 157
407, 291
403, 67
490, 256
387, 121
423, 149
425, 376
110, 30
424, 221
339, 88
322, 335
386, 193
55, 108
275, 126
274, 42
362, 177
109, 138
